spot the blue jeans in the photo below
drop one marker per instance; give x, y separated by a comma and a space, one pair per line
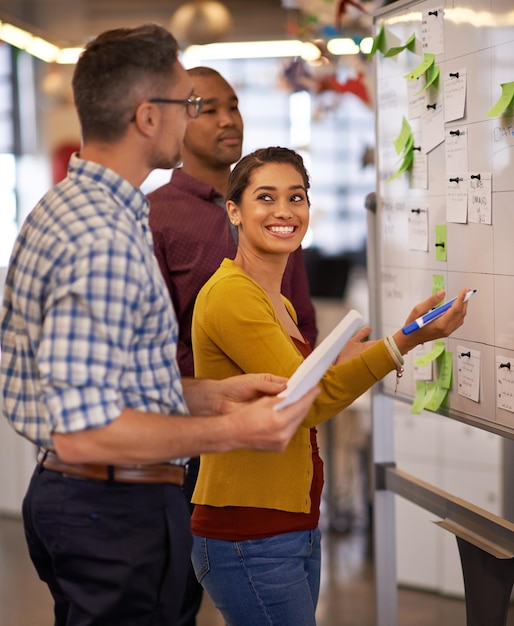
263, 582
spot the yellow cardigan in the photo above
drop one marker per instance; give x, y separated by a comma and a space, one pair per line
236, 330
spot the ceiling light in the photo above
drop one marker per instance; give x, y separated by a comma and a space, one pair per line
343, 45
366, 45
310, 52
251, 50
37, 46
42, 49
68, 56
15, 36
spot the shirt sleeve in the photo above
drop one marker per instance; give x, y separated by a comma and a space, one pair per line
238, 318
87, 332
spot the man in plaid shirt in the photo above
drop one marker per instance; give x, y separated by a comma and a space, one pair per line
88, 369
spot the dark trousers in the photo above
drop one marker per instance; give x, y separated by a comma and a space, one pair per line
194, 591
112, 554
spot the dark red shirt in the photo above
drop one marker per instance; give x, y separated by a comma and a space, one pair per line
192, 236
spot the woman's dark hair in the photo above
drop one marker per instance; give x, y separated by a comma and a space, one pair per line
116, 71
240, 176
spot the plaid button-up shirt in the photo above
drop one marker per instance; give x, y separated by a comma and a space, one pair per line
87, 325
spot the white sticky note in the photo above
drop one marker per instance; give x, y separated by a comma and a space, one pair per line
457, 198
479, 197
418, 228
454, 86
432, 35
468, 373
505, 383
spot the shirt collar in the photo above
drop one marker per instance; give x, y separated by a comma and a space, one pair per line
196, 187
123, 192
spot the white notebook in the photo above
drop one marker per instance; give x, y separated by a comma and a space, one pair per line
320, 359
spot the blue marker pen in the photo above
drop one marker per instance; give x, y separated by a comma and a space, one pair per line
433, 314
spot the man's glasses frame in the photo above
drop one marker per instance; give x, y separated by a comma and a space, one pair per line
193, 104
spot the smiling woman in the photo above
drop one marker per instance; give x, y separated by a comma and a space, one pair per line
256, 515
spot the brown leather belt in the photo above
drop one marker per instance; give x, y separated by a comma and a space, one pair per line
157, 473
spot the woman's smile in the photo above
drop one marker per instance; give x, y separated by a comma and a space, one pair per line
282, 230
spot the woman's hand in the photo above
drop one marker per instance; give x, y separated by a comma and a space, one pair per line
355, 346
442, 326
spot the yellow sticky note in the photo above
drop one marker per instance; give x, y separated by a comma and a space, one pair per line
504, 102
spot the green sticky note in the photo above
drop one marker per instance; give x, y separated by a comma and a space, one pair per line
408, 159
406, 164
410, 142
437, 398
432, 77
378, 43
428, 60
432, 394
393, 51
409, 44
504, 102
437, 350
432, 388
445, 370
419, 399
404, 137
440, 242
437, 283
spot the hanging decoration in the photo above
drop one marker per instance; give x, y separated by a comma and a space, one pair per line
342, 11
328, 74
330, 18
318, 21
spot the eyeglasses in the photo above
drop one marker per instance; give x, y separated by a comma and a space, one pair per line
193, 104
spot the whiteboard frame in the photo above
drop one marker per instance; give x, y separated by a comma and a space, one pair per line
479, 526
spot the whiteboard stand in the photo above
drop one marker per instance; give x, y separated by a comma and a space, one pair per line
384, 520
488, 583
382, 448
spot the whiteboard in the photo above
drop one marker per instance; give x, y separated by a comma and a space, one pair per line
476, 41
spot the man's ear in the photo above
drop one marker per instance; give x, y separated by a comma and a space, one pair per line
146, 117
